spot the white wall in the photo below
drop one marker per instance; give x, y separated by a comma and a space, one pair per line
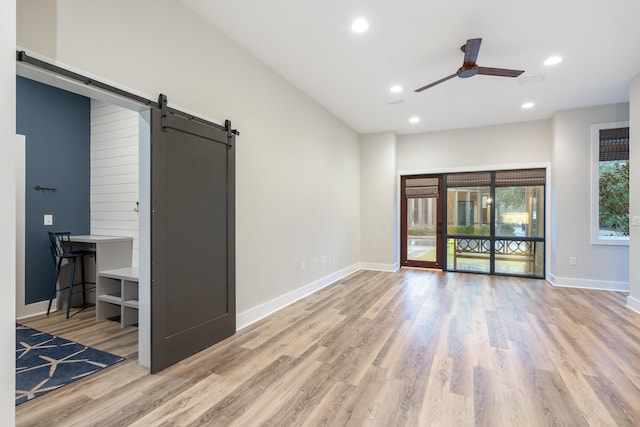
480, 148
114, 172
7, 211
297, 175
379, 202
633, 300
598, 266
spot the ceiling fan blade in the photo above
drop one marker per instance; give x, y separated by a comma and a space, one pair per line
500, 72
471, 50
436, 83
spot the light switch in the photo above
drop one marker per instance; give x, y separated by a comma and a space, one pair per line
635, 220
48, 220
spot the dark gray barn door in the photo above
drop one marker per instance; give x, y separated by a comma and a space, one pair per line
192, 237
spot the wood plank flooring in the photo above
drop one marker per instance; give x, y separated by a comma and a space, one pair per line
411, 348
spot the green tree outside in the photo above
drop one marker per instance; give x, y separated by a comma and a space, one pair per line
614, 197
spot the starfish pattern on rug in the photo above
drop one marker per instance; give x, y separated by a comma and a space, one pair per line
45, 362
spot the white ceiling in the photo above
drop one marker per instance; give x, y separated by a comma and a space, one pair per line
413, 43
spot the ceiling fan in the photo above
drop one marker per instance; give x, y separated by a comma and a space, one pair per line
470, 68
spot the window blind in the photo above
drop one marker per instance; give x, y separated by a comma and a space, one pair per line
614, 144
521, 177
421, 188
469, 179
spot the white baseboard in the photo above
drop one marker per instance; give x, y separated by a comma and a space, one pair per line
261, 311
633, 304
379, 267
602, 285
35, 309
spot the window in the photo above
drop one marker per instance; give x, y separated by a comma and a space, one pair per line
610, 183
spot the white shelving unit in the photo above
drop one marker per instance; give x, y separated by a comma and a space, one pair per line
117, 295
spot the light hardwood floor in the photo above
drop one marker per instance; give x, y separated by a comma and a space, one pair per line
399, 349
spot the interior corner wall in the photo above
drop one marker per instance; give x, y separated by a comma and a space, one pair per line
7, 211
297, 165
379, 202
598, 266
633, 300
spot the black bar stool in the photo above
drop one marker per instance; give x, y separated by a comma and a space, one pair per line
61, 249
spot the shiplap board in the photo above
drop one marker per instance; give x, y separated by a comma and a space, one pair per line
114, 172
132, 198
129, 124
114, 216
110, 206
122, 151
115, 161
115, 143
115, 116
114, 134
114, 179
116, 188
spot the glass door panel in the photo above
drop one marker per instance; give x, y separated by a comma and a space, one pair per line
422, 218
468, 223
519, 225
520, 211
421, 207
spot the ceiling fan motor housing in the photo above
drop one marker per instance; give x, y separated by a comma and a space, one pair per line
467, 70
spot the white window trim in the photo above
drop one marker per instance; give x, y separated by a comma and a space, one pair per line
596, 239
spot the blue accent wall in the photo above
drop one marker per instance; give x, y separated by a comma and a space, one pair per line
56, 124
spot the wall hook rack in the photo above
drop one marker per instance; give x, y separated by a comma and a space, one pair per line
45, 189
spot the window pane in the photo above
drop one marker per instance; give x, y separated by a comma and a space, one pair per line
614, 198
468, 254
468, 211
520, 211
519, 257
421, 229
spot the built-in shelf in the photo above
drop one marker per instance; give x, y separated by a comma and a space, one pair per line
114, 299
117, 295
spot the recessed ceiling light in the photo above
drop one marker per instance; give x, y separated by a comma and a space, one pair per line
528, 105
553, 60
414, 119
396, 89
360, 25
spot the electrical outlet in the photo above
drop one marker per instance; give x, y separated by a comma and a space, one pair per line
48, 220
573, 260
635, 220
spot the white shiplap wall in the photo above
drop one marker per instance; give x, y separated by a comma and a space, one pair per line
114, 172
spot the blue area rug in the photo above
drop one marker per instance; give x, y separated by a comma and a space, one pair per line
45, 362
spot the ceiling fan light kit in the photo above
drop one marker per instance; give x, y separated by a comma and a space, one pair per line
470, 68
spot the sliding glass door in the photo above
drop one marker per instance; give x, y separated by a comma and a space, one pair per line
495, 222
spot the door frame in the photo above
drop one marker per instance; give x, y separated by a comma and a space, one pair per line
72, 81
404, 262
54, 76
